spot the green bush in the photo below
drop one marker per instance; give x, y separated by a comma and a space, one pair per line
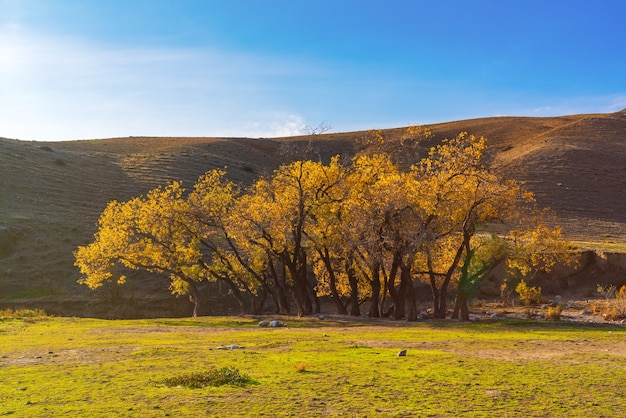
217, 377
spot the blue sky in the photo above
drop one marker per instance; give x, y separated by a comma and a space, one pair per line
79, 69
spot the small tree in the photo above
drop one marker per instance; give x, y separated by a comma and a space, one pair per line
163, 232
528, 295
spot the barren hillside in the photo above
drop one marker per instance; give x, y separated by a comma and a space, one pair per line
51, 193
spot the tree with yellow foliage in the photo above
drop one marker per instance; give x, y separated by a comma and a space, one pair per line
148, 233
401, 146
463, 197
163, 232
353, 232
276, 217
210, 203
371, 185
383, 223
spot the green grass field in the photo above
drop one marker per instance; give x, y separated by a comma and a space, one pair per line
86, 367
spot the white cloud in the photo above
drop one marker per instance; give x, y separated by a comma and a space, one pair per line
579, 105
60, 88
285, 125
274, 124
616, 104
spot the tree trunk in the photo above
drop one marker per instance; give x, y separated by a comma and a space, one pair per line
200, 305
375, 301
316, 299
463, 308
383, 298
354, 291
406, 277
279, 289
441, 302
397, 295
244, 305
332, 281
455, 312
439, 299
259, 307
298, 291
309, 293
297, 271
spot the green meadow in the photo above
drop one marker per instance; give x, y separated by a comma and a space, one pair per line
311, 367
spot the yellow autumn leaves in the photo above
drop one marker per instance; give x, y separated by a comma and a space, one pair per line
359, 231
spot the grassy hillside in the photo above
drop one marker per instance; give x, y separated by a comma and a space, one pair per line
51, 193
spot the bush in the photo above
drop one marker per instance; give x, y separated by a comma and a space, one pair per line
620, 302
22, 313
217, 377
612, 309
554, 313
505, 293
528, 295
607, 291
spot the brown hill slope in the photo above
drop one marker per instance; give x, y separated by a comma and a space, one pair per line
51, 193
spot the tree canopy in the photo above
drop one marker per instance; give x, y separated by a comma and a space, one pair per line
362, 231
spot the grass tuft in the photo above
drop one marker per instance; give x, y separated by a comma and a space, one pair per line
228, 375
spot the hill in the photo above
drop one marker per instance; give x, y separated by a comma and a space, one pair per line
51, 193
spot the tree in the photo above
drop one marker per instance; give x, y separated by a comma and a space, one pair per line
357, 232
210, 203
370, 185
163, 232
276, 216
376, 224
463, 197
147, 233
402, 147
482, 254
384, 222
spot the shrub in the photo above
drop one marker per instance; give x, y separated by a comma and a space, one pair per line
22, 313
217, 377
554, 313
612, 309
505, 293
528, 295
607, 291
620, 302
608, 310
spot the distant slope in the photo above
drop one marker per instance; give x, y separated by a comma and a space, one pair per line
51, 193
574, 164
